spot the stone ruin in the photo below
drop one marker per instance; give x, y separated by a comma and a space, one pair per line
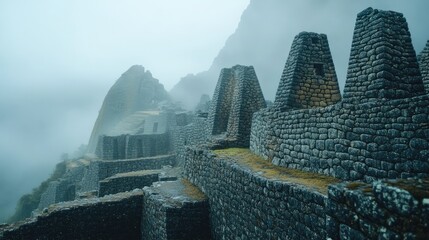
378, 130
237, 96
309, 79
295, 180
383, 62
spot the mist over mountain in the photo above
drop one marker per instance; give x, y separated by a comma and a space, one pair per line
266, 31
135, 90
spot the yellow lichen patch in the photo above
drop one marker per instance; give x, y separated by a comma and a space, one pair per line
244, 157
192, 191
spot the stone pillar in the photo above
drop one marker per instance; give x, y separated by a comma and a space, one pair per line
383, 63
309, 79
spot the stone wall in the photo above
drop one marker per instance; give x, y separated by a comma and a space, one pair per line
57, 191
381, 127
126, 182
382, 210
64, 189
246, 205
384, 139
101, 169
424, 66
309, 79
113, 217
133, 146
183, 217
382, 61
237, 96
194, 133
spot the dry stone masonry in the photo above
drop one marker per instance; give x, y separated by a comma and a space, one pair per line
175, 210
112, 217
294, 182
237, 96
249, 205
133, 146
381, 210
359, 138
383, 62
309, 79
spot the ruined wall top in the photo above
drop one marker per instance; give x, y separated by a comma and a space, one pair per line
309, 79
383, 63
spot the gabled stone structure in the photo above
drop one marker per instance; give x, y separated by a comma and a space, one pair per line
383, 62
424, 66
309, 79
237, 96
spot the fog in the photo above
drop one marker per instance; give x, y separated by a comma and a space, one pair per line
59, 58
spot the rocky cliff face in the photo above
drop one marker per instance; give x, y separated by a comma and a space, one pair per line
260, 40
136, 90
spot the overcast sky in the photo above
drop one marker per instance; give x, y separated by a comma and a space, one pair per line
59, 58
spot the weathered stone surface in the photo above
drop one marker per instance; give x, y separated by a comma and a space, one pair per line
393, 209
101, 169
133, 146
247, 205
383, 63
378, 130
112, 217
127, 182
237, 96
175, 210
309, 79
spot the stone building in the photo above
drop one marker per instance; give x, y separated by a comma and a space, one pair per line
309, 79
379, 129
383, 62
424, 66
377, 134
237, 96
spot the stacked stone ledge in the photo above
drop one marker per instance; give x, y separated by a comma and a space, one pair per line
424, 66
